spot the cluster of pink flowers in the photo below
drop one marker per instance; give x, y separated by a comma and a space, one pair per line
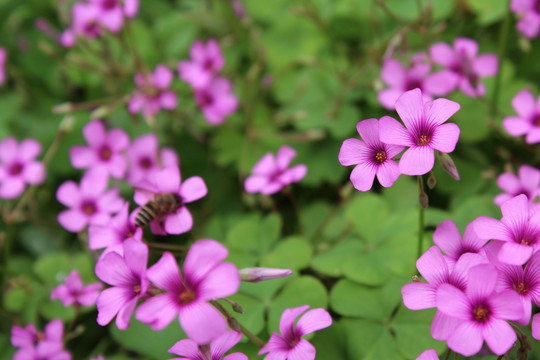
383, 139
462, 68
213, 93
528, 120
483, 280
90, 18
35, 345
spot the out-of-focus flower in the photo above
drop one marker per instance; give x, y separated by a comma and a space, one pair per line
424, 131
371, 157
216, 100
535, 326
167, 181
127, 275
529, 14
152, 93
112, 12
206, 61
464, 68
89, 203
145, 158
105, 150
190, 350
3, 58
482, 313
73, 291
256, 274
204, 277
271, 174
290, 345
34, 345
430, 354
85, 21
18, 166
528, 120
112, 235
527, 182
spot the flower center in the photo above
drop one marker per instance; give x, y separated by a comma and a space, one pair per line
16, 169
109, 4
536, 120
412, 84
208, 64
40, 336
380, 157
206, 100
481, 313
186, 296
105, 153
145, 163
423, 140
137, 289
536, 6
89, 208
520, 288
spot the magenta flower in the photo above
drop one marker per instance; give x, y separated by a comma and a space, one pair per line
145, 158
528, 183
152, 93
18, 166
190, 350
370, 156
529, 16
216, 100
112, 12
105, 150
168, 181
204, 277
89, 203
127, 275
482, 313
85, 22
112, 235
430, 354
3, 58
528, 120
270, 174
464, 68
73, 291
424, 132
535, 326
206, 62
519, 228
34, 345
290, 345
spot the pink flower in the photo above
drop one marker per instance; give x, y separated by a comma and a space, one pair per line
34, 345
528, 120
216, 100
112, 235
519, 228
145, 158
424, 132
3, 57
430, 354
370, 156
85, 22
73, 291
89, 203
535, 326
18, 166
205, 277
464, 68
206, 62
105, 150
270, 174
168, 181
127, 275
527, 183
190, 350
482, 313
529, 16
112, 12
290, 345
152, 93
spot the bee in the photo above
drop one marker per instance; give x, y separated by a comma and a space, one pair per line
161, 205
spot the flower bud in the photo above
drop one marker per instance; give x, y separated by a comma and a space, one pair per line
424, 200
431, 181
448, 165
256, 274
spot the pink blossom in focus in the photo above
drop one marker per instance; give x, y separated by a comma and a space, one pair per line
204, 277
423, 133
89, 203
482, 313
105, 150
430, 354
190, 350
168, 181
371, 157
464, 67
527, 182
519, 228
35, 345
529, 16
528, 120
145, 158
290, 345
18, 166
271, 174
216, 100
152, 93
206, 61
73, 291
3, 58
127, 274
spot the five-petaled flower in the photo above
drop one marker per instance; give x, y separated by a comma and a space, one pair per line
36, 345
528, 120
190, 350
73, 291
527, 182
206, 62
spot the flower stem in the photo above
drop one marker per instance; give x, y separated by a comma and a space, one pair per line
237, 325
421, 219
503, 40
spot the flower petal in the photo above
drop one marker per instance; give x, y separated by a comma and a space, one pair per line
313, 320
223, 280
445, 137
179, 222
392, 132
224, 343
418, 160
363, 175
203, 257
165, 273
499, 336
388, 173
202, 322
410, 107
72, 220
466, 339
193, 189
286, 323
524, 103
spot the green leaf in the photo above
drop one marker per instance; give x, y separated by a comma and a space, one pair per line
255, 234
53, 268
367, 211
489, 11
367, 268
291, 253
253, 317
331, 262
368, 340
